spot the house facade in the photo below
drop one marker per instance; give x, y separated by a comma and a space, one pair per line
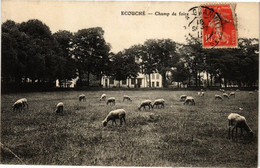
141, 81
68, 83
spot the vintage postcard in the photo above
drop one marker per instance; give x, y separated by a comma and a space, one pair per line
154, 84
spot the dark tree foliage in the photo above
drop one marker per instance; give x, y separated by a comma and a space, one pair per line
32, 54
124, 64
180, 73
237, 66
91, 52
13, 63
40, 51
66, 66
161, 55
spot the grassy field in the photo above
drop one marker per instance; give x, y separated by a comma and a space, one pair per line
178, 135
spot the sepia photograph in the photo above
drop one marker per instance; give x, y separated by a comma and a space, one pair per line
137, 83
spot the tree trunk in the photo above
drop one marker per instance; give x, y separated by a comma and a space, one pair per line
211, 79
100, 80
199, 77
80, 78
207, 79
88, 79
225, 82
239, 83
164, 82
196, 80
189, 80
149, 80
220, 82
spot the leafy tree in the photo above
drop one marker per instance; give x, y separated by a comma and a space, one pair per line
40, 51
119, 67
91, 52
148, 63
12, 66
180, 73
66, 65
132, 56
161, 57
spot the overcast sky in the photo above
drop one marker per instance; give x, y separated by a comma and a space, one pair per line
122, 31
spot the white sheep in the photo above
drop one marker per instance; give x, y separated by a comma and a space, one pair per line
25, 103
183, 97
59, 107
103, 97
189, 100
218, 97
144, 104
232, 94
82, 97
158, 102
113, 115
111, 100
237, 121
222, 90
18, 105
126, 97
225, 95
201, 93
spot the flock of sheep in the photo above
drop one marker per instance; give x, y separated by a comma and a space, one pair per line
235, 120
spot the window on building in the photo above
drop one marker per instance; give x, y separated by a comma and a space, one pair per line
152, 84
132, 81
139, 81
157, 76
153, 76
124, 82
157, 84
111, 81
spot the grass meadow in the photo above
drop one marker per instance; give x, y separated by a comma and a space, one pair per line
178, 135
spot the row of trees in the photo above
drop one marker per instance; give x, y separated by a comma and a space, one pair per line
32, 54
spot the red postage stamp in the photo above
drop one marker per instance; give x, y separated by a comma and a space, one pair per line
219, 26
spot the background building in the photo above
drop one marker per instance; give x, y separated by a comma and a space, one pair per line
141, 81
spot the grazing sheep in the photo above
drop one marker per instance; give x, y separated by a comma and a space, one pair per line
222, 90
202, 94
25, 103
103, 97
225, 95
232, 94
218, 97
59, 107
113, 115
111, 100
237, 121
82, 97
126, 97
158, 102
198, 93
18, 105
144, 104
183, 97
250, 92
189, 100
